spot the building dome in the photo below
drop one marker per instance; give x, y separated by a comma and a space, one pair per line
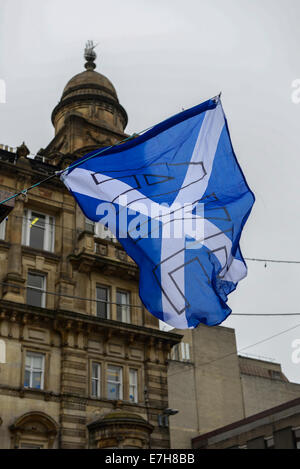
89, 81
91, 96
120, 429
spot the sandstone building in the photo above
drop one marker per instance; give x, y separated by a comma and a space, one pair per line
83, 364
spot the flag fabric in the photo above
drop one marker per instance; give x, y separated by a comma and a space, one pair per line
177, 200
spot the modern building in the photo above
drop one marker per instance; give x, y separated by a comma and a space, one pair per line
212, 386
276, 428
82, 363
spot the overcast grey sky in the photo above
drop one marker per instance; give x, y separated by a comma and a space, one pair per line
165, 55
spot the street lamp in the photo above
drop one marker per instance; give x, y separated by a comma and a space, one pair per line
163, 419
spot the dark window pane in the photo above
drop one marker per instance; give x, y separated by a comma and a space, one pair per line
35, 286
36, 238
119, 313
94, 388
37, 231
102, 293
36, 281
95, 370
102, 310
34, 297
102, 305
119, 297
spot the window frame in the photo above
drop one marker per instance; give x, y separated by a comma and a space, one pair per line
185, 351
97, 379
3, 226
107, 302
42, 290
120, 382
134, 385
32, 369
49, 238
124, 306
175, 354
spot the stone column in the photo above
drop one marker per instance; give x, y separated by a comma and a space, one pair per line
65, 285
14, 290
73, 393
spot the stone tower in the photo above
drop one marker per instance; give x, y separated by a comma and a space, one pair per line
88, 115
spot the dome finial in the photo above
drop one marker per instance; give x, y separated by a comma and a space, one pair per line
90, 55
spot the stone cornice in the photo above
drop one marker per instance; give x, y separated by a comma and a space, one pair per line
68, 320
38, 252
48, 395
88, 262
32, 173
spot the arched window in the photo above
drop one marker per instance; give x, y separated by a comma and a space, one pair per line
34, 430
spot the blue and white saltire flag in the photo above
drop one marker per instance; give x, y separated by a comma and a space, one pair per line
177, 201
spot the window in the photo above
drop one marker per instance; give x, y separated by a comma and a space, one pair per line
96, 380
102, 296
36, 285
33, 430
34, 370
175, 353
185, 351
181, 352
269, 442
103, 232
123, 306
3, 229
163, 420
114, 383
275, 374
133, 385
38, 231
297, 437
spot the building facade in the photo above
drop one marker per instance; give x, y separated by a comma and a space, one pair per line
82, 363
